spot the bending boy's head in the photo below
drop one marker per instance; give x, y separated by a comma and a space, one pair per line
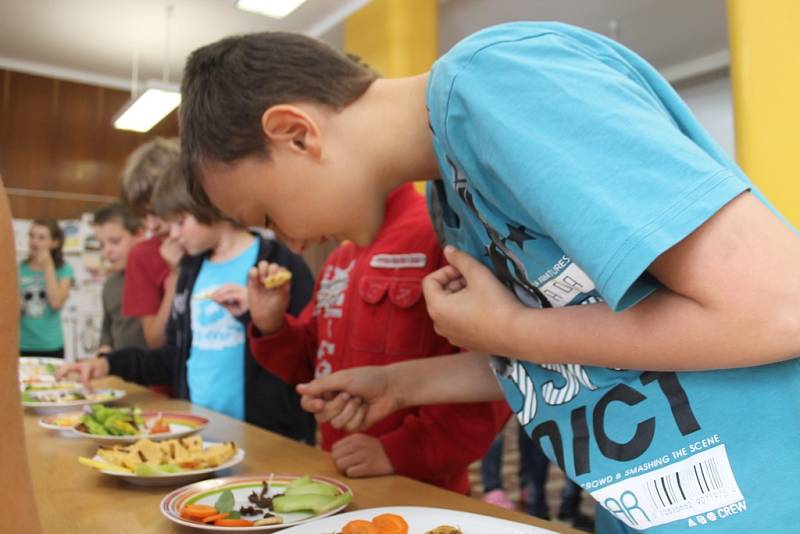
256, 112
196, 226
143, 169
117, 229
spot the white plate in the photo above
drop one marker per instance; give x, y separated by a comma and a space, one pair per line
208, 491
422, 519
50, 422
48, 406
174, 479
181, 424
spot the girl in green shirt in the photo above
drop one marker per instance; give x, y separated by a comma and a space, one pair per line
44, 283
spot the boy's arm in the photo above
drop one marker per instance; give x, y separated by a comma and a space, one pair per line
154, 326
105, 333
290, 353
368, 394
729, 300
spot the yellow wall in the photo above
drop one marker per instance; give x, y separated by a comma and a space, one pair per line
397, 38
765, 79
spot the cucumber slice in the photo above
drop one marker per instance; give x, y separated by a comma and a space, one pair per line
313, 488
302, 481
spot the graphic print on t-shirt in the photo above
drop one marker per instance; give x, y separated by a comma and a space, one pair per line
329, 304
690, 483
213, 327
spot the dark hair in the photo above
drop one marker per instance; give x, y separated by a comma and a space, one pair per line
120, 214
171, 196
228, 85
56, 233
144, 167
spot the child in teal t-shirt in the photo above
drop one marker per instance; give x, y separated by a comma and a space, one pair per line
44, 283
638, 292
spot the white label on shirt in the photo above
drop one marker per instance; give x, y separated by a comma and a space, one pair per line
699, 488
569, 283
415, 260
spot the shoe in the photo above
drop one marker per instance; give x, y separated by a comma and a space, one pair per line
498, 497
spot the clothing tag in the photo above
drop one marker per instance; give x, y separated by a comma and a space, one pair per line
415, 260
701, 489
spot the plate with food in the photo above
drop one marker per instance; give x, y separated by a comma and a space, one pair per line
51, 401
106, 424
165, 463
61, 422
37, 373
256, 503
414, 520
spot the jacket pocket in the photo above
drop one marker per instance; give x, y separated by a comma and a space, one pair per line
390, 316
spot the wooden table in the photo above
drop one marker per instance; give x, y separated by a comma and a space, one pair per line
76, 499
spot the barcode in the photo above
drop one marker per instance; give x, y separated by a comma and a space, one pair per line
685, 488
695, 480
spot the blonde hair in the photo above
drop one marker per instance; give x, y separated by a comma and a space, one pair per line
144, 167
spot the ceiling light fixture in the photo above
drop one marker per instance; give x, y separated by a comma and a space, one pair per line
276, 9
155, 101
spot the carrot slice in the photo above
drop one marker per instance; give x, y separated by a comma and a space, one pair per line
390, 524
198, 511
233, 523
215, 517
359, 526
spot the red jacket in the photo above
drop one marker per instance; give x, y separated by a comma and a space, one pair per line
368, 309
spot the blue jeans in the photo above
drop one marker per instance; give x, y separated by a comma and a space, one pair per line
492, 463
539, 467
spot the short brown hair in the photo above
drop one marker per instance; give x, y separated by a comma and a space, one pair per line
144, 167
228, 85
171, 197
120, 214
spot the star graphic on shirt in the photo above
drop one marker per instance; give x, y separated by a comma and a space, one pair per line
518, 234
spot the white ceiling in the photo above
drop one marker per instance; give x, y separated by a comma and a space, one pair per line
94, 40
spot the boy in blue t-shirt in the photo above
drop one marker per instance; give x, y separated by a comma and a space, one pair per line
609, 252
206, 358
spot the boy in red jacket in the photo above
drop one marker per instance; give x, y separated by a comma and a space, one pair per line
368, 309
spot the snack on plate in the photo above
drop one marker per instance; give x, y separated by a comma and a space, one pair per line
444, 529
147, 457
380, 524
277, 279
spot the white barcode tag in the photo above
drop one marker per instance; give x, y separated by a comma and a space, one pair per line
691, 488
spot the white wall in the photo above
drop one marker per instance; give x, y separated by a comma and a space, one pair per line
711, 102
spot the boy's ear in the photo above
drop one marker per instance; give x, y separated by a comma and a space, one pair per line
290, 127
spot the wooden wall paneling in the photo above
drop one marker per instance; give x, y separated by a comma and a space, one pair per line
57, 136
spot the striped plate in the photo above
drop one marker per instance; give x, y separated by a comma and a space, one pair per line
208, 491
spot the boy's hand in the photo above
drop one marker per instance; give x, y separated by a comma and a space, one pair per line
267, 306
468, 305
87, 370
360, 455
233, 298
172, 252
354, 399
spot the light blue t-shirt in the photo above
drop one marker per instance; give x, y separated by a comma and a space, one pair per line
215, 369
568, 166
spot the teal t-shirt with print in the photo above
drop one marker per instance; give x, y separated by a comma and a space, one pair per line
568, 166
39, 324
215, 369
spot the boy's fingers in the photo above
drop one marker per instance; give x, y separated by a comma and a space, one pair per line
333, 408
358, 418
344, 416
461, 261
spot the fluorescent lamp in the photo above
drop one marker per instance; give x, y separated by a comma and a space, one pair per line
276, 9
146, 110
